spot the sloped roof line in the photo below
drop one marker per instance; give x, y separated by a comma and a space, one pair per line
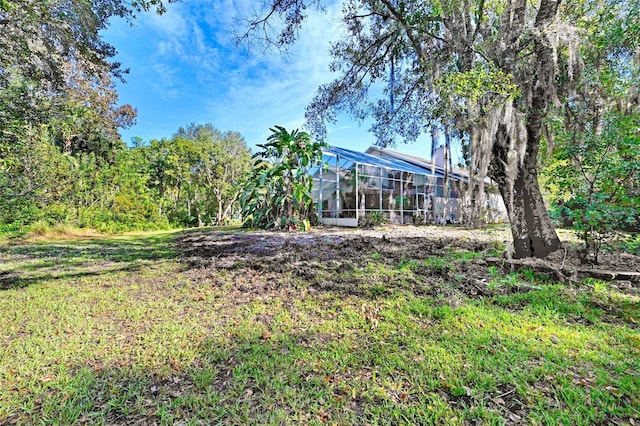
388, 163
459, 174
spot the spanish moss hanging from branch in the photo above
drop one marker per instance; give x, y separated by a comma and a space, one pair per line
495, 71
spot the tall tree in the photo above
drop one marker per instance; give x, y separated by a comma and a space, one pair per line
495, 71
224, 175
51, 51
198, 174
222, 163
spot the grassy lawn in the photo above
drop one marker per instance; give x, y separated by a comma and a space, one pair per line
123, 330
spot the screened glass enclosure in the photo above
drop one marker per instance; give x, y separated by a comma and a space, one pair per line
351, 184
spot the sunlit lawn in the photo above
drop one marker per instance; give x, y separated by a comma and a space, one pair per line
113, 330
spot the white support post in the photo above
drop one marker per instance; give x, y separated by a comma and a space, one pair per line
321, 190
337, 214
380, 191
401, 198
357, 195
416, 207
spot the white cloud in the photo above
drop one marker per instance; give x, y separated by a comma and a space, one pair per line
272, 90
189, 58
170, 24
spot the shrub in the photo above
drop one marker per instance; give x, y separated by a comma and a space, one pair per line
595, 182
39, 228
372, 219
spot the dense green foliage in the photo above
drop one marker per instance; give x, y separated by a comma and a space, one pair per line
592, 173
197, 175
278, 193
55, 188
191, 179
61, 157
595, 184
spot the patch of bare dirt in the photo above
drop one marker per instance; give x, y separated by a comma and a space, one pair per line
330, 258
566, 265
617, 262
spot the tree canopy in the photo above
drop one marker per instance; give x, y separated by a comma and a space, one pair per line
56, 71
40, 39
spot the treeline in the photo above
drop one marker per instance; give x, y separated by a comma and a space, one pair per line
62, 160
193, 178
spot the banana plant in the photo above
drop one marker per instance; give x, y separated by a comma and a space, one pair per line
278, 193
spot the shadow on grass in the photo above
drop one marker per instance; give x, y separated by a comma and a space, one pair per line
401, 362
255, 381
303, 379
11, 280
31, 262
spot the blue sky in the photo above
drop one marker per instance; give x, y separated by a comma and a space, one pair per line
184, 67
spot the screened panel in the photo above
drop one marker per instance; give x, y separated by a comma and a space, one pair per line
352, 184
367, 170
327, 197
347, 194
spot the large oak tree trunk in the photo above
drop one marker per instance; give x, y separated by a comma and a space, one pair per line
533, 232
531, 227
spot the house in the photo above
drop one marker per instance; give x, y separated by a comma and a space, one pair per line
407, 189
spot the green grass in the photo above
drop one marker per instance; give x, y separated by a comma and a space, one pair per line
11, 231
109, 330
